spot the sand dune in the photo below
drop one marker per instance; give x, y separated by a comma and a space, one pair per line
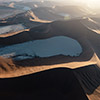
89, 78
92, 25
75, 29
28, 19
54, 83
47, 14
49, 52
87, 63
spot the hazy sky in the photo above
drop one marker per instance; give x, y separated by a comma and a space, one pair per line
89, 3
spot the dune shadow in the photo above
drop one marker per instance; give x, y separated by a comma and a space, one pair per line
89, 78
53, 84
58, 59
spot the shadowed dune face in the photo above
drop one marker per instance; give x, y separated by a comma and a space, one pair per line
60, 84
89, 78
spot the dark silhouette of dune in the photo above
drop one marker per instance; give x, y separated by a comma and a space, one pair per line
89, 78
59, 84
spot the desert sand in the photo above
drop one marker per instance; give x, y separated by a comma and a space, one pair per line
85, 67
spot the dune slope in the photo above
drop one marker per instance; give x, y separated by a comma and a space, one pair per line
51, 84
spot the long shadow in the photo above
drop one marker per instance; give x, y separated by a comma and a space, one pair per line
53, 84
59, 59
89, 77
